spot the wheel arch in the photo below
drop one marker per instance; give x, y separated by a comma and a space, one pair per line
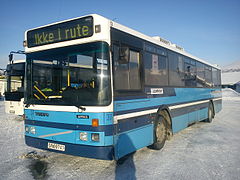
164, 111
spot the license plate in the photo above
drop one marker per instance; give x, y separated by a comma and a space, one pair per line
58, 147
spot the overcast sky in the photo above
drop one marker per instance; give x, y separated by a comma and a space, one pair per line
208, 29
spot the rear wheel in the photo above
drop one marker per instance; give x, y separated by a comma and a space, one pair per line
210, 113
159, 133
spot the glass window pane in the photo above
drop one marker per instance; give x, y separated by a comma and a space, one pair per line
214, 77
121, 72
208, 75
190, 73
200, 75
155, 69
134, 73
176, 74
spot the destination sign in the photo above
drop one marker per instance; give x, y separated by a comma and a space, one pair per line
70, 30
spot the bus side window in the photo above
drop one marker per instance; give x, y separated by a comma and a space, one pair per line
176, 68
200, 74
126, 73
155, 69
134, 70
215, 77
208, 75
190, 73
120, 71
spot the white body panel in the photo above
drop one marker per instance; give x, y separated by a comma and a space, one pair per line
104, 35
72, 108
14, 107
3, 86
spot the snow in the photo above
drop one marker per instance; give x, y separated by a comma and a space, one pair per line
202, 151
230, 94
235, 66
231, 73
230, 78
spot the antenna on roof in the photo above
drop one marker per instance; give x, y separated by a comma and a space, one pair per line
162, 40
178, 47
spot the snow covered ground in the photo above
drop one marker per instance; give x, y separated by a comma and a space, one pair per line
202, 151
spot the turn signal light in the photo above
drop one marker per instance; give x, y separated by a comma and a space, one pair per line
95, 123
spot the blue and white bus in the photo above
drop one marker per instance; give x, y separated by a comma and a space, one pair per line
98, 89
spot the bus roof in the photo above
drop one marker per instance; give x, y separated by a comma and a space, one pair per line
155, 40
160, 41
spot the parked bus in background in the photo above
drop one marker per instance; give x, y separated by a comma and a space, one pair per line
14, 94
98, 89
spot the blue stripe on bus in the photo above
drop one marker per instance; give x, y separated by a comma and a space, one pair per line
188, 109
98, 152
168, 92
136, 110
123, 124
69, 117
69, 136
153, 107
183, 95
132, 123
108, 129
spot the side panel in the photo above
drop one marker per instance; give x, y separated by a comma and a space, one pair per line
187, 105
203, 114
179, 122
192, 116
133, 140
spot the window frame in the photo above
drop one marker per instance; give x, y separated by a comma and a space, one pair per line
114, 58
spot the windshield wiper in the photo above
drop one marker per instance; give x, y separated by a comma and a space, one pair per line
81, 107
28, 104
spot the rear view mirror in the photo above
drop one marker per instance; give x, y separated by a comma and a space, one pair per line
10, 57
123, 55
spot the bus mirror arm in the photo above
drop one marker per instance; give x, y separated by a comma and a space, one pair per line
10, 58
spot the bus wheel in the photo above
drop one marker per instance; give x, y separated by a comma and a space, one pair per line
159, 134
210, 113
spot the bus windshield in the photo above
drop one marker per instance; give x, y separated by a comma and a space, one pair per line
76, 75
15, 79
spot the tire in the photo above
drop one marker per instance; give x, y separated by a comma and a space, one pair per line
210, 113
159, 133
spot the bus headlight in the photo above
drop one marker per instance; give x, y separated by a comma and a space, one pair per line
30, 129
83, 136
95, 137
33, 130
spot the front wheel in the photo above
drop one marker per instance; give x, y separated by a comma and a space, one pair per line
159, 133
